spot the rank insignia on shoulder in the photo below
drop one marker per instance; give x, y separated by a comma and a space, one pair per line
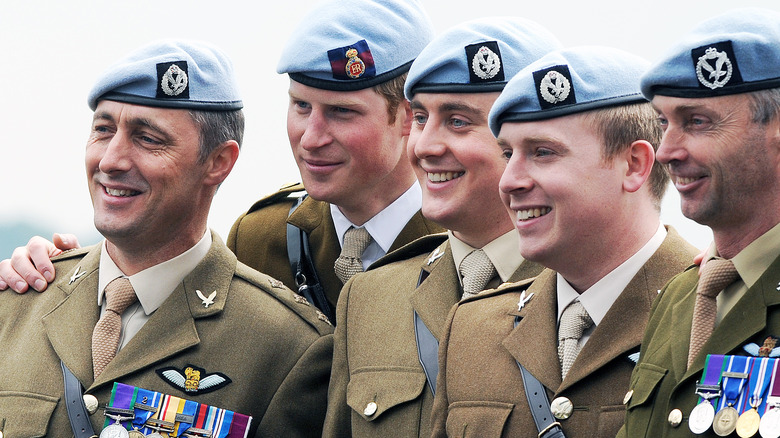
300, 299
322, 317
193, 380
207, 301
276, 283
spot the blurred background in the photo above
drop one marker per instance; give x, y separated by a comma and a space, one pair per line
52, 51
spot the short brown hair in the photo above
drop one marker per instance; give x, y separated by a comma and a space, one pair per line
620, 126
764, 105
393, 92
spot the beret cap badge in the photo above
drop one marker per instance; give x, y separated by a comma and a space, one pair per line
173, 80
355, 66
717, 74
485, 62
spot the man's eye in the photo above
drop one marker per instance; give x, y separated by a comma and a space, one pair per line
458, 123
420, 120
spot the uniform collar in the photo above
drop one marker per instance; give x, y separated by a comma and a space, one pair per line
599, 298
386, 225
503, 252
153, 285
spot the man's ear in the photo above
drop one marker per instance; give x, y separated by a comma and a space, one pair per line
640, 158
221, 162
405, 109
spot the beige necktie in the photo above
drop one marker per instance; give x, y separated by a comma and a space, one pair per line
574, 321
715, 276
105, 336
477, 270
349, 263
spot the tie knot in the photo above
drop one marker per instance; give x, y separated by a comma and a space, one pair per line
477, 270
119, 295
356, 240
574, 321
715, 276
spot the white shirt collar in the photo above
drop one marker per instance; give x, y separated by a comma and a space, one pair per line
155, 284
503, 252
386, 225
599, 298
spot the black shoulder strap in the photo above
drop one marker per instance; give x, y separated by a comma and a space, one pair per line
302, 266
539, 404
427, 344
77, 412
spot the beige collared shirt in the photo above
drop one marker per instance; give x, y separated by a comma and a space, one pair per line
503, 252
152, 285
751, 263
598, 299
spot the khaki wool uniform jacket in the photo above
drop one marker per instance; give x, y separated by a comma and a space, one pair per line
480, 389
259, 237
660, 382
375, 351
274, 350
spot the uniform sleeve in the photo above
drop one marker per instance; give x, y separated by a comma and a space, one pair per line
337, 420
441, 401
298, 407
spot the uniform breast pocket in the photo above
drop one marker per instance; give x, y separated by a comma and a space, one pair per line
644, 384
482, 419
26, 414
375, 392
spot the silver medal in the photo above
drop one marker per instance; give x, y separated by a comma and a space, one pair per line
115, 430
701, 417
769, 427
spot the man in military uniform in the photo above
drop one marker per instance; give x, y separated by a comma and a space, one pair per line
585, 194
348, 124
392, 315
717, 94
161, 297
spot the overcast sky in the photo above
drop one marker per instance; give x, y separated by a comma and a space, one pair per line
52, 51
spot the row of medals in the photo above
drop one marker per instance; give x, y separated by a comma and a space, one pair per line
162, 429
728, 420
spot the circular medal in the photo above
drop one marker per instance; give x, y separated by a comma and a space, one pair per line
725, 421
701, 417
115, 430
747, 424
155, 435
770, 424
135, 433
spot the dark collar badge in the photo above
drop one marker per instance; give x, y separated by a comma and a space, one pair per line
484, 60
173, 80
193, 380
352, 62
716, 65
554, 87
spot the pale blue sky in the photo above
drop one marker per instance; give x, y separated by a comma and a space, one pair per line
52, 51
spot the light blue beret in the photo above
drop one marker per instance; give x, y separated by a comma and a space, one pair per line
478, 56
171, 74
735, 52
569, 81
348, 45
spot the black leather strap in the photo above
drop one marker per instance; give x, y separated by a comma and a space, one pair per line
74, 403
539, 404
302, 266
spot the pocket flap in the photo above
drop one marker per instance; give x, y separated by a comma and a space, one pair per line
643, 383
26, 414
371, 392
482, 419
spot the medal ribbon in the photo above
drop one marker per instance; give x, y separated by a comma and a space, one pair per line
759, 381
224, 420
122, 397
201, 415
240, 427
148, 399
713, 370
732, 386
169, 408
774, 387
188, 409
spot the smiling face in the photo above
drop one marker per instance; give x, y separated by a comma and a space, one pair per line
724, 165
454, 156
347, 150
144, 176
562, 195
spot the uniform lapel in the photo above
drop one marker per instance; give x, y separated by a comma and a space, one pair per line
173, 327
69, 325
434, 298
534, 341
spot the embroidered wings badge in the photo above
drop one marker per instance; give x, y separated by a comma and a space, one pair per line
193, 380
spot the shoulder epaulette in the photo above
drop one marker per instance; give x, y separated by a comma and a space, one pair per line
516, 286
72, 253
292, 190
419, 246
293, 301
